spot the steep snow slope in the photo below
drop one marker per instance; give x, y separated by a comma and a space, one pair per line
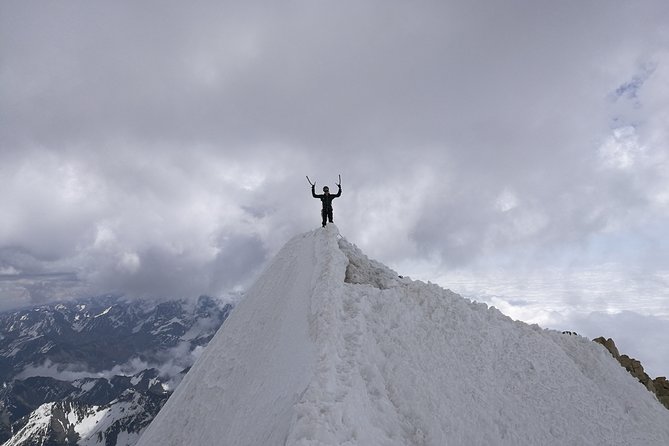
332, 348
243, 388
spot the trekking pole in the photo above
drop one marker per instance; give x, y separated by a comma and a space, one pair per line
339, 183
312, 184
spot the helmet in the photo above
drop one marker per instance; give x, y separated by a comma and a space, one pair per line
326, 189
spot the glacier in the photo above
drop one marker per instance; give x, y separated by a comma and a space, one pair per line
330, 347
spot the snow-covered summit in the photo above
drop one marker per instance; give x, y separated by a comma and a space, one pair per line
331, 348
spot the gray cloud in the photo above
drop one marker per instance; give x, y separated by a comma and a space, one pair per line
158, 148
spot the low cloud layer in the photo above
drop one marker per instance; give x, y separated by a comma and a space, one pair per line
160, 149
169, 363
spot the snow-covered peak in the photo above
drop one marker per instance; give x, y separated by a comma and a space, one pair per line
329, 348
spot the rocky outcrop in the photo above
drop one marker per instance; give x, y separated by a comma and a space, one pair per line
659, 386
610, 346
662, 390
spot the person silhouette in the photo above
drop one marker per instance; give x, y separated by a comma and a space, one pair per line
326, 199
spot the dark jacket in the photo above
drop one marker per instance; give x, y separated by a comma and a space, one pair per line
326, 199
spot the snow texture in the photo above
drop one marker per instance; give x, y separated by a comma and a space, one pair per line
331, 348
38, 424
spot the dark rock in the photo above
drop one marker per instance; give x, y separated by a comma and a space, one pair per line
662, 390
610, 346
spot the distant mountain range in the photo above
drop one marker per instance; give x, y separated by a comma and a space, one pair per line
96, 371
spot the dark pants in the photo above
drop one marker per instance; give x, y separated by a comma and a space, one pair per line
327, 215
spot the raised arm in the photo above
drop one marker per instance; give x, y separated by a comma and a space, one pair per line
338, 194
313, 191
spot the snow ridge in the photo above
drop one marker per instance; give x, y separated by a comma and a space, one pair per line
332, 348
243, 388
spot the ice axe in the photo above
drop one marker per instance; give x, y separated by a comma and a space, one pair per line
314, 183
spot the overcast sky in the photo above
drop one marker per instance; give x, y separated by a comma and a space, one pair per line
516, 152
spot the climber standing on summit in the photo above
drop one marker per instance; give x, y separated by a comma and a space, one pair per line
326, 199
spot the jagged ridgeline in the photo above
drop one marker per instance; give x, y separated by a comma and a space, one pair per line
329, 348
96, 371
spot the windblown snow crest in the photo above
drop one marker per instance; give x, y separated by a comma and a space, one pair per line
332, 348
